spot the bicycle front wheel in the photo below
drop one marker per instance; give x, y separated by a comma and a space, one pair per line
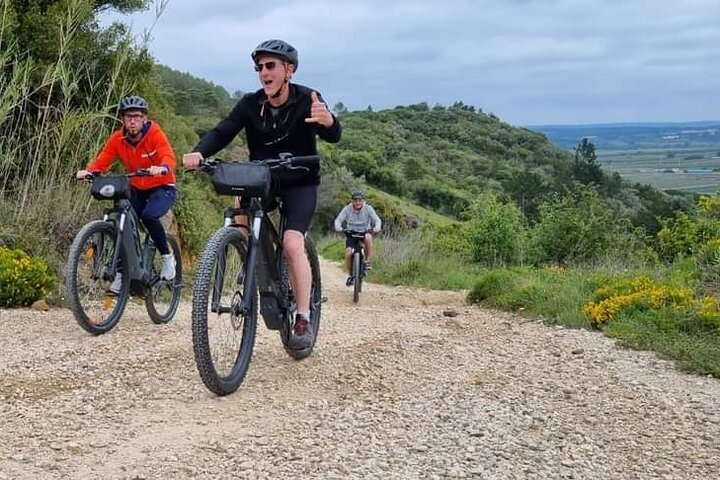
223, 336
357, 273
90, 275
163, 297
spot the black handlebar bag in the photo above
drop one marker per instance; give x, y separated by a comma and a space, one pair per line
242, 179
110, 188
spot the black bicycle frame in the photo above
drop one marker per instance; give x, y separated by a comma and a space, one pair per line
128, 238
262, 263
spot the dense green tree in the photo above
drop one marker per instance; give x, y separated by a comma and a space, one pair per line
586, 168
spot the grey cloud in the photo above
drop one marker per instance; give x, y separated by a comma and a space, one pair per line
529, 61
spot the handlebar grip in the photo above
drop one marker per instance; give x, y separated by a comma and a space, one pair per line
305, 159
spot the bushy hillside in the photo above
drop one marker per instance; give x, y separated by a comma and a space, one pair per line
444, 157
193, 96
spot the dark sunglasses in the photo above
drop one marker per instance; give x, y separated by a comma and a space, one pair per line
268, 65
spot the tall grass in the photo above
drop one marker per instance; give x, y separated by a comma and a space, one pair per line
49, 129
405, 257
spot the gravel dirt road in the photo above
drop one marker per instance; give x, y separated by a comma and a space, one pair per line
395, 389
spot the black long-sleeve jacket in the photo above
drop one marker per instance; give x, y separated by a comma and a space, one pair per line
271, 130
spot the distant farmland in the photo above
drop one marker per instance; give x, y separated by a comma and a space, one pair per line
691, 169
678, 156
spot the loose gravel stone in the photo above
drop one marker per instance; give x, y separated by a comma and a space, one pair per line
407, 383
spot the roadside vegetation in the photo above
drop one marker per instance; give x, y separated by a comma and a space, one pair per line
469, 202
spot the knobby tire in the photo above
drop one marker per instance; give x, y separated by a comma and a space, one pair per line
94, 244
156, 314
213, 273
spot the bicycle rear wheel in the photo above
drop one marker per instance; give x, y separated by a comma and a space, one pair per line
89, 275
357, 273
223, 337
163, 296
315, 302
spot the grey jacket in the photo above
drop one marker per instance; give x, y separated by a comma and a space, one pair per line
363, 220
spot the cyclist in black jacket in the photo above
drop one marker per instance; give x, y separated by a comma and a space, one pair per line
281, 117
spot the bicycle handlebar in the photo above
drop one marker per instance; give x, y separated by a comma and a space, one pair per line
140, 172
358, 233
285, 161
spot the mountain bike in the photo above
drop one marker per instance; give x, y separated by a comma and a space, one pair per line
119, 243
243, 269
357, 265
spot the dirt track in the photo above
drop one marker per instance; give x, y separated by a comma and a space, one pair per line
395, 389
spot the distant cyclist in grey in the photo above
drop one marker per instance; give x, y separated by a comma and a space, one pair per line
360, 217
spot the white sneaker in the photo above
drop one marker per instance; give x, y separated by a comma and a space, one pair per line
168, 267
116, 284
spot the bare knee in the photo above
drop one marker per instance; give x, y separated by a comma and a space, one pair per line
293, 244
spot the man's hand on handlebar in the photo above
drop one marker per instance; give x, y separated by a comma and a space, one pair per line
376, 230
191, 161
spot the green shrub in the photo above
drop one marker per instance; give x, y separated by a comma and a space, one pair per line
708, 267
495, 232
452, 239
199, 211
578, 229
332, 247
491, 285
22, 279
678, 237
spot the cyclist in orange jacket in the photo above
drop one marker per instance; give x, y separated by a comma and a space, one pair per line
141, 143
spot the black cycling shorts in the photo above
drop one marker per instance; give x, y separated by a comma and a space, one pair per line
299, 204
352, 242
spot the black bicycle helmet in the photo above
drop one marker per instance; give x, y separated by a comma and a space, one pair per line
357, 194
133, 102
279, 49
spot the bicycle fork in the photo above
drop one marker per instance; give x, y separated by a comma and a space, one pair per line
249, 287
247, 275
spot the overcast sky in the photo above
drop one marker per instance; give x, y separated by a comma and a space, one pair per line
529, 62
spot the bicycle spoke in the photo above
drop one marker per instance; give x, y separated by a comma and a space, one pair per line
225, 323
90, 274
163, 297
223, 335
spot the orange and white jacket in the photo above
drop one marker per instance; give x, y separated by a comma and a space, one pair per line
152, 149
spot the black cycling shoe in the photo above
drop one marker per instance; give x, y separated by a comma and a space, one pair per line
302, 336
350, 281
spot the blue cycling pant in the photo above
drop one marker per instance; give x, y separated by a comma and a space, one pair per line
151, 205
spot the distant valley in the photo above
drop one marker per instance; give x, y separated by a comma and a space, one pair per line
670, 156
615, 136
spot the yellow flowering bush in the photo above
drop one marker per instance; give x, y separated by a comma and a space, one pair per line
708, 264
22, 279
635, 293
708, 310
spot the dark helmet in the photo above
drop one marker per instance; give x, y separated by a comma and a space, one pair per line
277, 48
357, 194
133, 102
